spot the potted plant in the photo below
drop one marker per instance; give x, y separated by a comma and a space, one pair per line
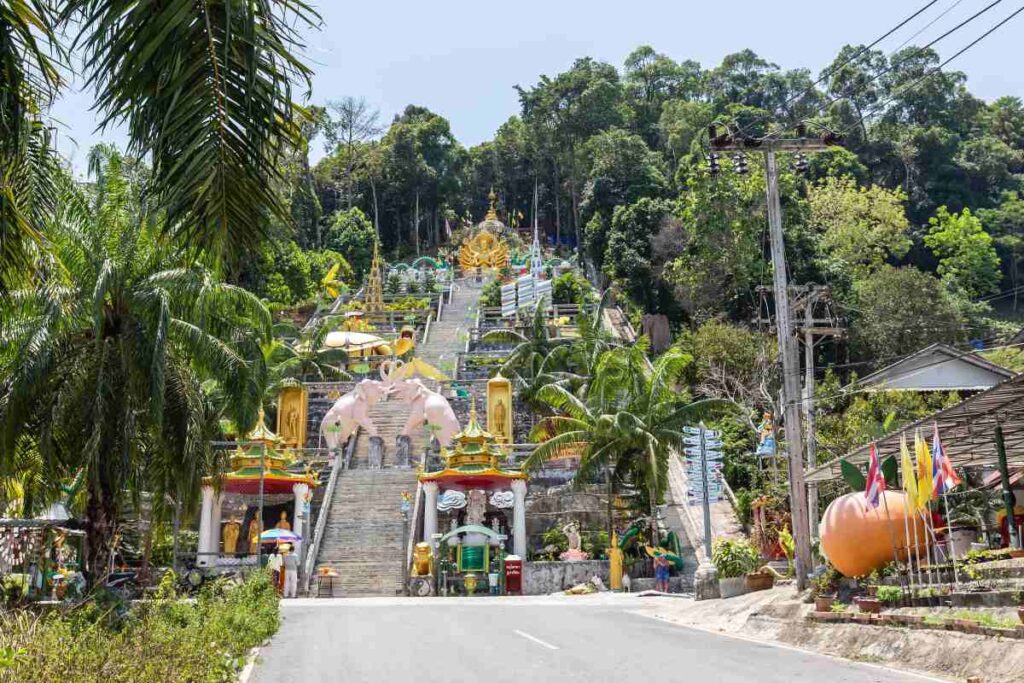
892, 596
734, 559
824, 589
869, 605
968, 512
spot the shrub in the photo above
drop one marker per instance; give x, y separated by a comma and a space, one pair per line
490, 295
167, 639
570, 288
890, 595
734, 557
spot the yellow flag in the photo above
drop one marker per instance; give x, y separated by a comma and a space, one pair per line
924, 470
909, 476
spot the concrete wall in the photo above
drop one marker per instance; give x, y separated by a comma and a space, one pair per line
541, 578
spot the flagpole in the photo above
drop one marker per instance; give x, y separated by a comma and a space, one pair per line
892, 536
949, 538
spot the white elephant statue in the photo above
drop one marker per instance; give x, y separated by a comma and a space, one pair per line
352, 411
427, 406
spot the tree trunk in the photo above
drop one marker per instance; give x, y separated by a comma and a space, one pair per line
416, 225
147, 551
558, 214
100, 520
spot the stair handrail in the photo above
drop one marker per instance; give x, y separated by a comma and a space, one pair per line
410, 532
325, 510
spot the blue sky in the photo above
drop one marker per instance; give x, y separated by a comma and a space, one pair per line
461, 59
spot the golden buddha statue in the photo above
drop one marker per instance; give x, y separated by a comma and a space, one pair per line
255, 529
484, 249
283, 523
230, 535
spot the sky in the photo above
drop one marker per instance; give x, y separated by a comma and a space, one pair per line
462, 59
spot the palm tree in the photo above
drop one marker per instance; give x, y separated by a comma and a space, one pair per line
630, 420
295, 356
205, 91
105, 351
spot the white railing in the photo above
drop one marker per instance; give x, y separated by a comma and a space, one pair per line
325, 511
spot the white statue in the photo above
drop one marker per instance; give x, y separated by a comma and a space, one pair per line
427, 406
351, 411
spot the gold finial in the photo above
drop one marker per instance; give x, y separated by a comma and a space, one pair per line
492, 213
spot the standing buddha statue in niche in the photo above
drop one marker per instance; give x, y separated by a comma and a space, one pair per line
500, 422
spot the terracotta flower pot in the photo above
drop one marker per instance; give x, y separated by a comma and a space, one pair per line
823, 603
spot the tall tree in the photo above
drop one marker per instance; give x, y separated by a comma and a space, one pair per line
351, 123
101, 367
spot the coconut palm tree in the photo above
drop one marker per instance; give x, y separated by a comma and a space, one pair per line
103, 355
204, 90
630, 419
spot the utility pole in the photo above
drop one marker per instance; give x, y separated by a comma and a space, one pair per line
791, 390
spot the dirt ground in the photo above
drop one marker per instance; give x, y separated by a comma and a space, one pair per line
778, 615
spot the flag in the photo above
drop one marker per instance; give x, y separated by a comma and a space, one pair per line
876, 482
943, 474
909, 477
924, 470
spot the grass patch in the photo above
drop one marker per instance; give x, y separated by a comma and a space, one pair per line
166, 639
982, 618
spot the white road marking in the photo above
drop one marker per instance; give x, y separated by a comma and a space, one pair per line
536, 640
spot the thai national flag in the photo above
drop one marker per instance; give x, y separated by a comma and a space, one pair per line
943, 475
876, 482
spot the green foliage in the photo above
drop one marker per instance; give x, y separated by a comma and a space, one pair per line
168, 638
968, 262
900, 310
837, 607
734, 557
351, 234
861, 228
890, 595
853, 476
570, 288
490, 295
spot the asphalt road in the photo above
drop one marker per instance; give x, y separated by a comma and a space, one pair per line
523, 639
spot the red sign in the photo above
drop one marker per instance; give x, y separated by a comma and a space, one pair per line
513, 576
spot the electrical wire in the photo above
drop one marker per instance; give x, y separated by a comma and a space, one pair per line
831, 70
927, 26
931, 72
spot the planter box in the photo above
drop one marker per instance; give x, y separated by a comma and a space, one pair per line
730, 588
864, 618
759, 582
869, 605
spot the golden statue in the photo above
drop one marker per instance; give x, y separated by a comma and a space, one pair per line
231, 531
255, 529
283, 523
422, 560
499, 420
484, 249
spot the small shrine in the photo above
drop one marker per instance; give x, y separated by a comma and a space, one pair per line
475, 493
261, 464
485, 248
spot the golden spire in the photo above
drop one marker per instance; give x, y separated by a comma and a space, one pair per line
492, 213
373, 300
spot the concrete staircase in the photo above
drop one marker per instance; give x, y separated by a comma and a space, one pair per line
364, 538
365, 534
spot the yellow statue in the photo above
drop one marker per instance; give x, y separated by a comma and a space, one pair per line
615, 564
255, 529
231, 531
422, 560
499, 420
283, 523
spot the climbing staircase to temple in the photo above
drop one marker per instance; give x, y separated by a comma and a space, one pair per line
364, 538
364, 541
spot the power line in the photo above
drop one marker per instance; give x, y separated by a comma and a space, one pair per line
927, 26
931, 72
921, 50
831, 70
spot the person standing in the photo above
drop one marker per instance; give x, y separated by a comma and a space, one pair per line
291, 571
661, 565
275, 565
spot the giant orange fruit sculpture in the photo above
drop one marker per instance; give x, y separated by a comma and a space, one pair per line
857, 539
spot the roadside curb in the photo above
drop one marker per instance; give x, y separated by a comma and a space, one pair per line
250, 665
